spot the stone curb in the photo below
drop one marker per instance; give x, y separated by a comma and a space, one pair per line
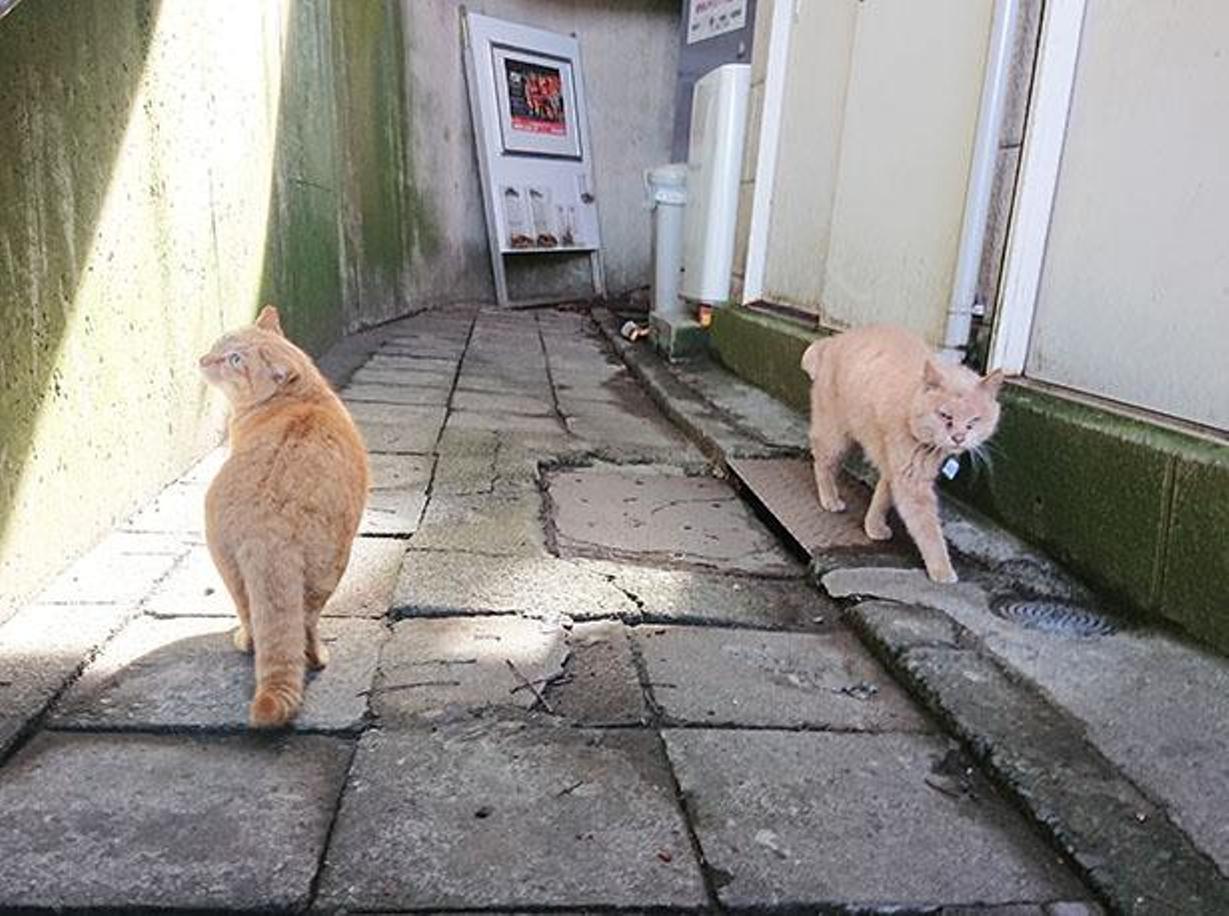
1128, 850
1125, 846
716, 435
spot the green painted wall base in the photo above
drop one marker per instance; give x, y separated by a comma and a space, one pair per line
1138, 509
678, 338
766, 351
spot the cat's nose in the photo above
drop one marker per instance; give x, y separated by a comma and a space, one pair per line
958, 438
205, 361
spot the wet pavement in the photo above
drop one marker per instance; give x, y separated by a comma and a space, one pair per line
572, 669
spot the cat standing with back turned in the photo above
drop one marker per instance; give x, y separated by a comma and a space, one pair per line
283, 511
883, 388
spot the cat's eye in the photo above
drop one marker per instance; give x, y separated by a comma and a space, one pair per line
945, 416
236, 360
973, 422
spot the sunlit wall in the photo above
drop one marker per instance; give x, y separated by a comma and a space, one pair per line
164, 169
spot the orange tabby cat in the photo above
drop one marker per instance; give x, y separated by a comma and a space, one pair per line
882, 387
284, 509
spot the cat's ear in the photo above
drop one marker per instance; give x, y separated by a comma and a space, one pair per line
267, 320
932, 376
280, 369
992, 383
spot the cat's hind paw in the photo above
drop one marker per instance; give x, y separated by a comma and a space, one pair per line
317, 656
242, 639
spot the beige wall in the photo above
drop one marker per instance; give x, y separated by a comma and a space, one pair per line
813, 115
1134, 298
879, 110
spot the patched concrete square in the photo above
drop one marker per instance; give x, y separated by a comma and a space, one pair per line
808, 819
436, 667
704, 596
507, 524
184, 672
654, 514
495, 815
192, 588
429, 666
123, 821
436, 584
780, 680
397, 428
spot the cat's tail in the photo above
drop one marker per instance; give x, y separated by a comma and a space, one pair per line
811, 357
275, 594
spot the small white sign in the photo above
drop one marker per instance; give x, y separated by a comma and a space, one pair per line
710, 18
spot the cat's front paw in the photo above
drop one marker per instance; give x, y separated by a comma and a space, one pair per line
242, 639
832, 504
946, 575
877, 529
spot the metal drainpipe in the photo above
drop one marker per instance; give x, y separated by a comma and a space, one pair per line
981, 180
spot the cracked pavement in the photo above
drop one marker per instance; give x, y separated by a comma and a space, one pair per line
572, 669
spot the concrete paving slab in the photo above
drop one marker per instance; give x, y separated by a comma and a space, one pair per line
505, 524
398, 375
705, 596
651, 513
613, 424
426, 371
449, 583
490, 402
178, 509
127, 821
184, 673
507, 422
703, 675
42, 647
494, 815
395, 394
192, 588
1125, 843
400, 472
366, 587
417, 438
536, 385
393, 512
429, 667
809, 819
123, 569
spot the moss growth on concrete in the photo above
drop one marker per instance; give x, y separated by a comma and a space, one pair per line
764, 350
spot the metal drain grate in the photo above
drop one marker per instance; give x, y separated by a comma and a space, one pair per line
1056, 617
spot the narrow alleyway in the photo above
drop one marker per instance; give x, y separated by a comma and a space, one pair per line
571, 668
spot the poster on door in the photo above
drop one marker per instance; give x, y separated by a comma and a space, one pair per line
536, 103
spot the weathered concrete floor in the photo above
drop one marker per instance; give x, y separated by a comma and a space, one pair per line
1117, 744
570, 670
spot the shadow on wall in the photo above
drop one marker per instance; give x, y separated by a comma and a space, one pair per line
70, 83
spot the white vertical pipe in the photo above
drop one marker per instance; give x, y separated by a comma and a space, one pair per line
981, 179
766, 151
